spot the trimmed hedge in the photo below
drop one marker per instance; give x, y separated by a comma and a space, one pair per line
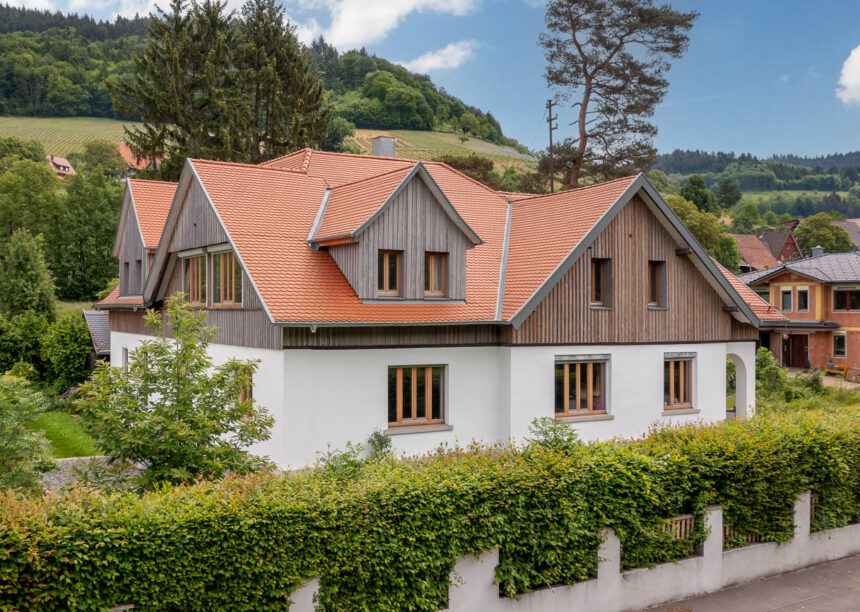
387, 536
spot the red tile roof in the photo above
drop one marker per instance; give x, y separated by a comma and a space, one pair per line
152, 200
113, 299
754, 252
338, 168
130, 160
762, 309
58, 165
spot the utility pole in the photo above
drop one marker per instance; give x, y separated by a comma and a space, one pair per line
552, 126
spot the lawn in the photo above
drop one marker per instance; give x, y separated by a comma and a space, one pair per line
62, 135
67, 437
758, 196
79, 307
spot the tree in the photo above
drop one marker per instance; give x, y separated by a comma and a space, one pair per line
697, 192
171, 409
101, 154
65, 348
29, 198
728, 193
708, 231
611, 56
24, 280
22, 149
747, 219
819, 230
21, 449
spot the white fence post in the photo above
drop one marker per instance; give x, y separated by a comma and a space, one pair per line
712, 549
802, 518
609, 566
303, 597
473, 584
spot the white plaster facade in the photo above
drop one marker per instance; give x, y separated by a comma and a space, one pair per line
326, 398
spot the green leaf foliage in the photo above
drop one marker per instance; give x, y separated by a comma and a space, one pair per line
64, 350
24, 280
20, 448
819, 230
384, 534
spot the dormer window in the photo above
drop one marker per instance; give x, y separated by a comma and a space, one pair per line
434, 274
226, 280
194, 279
388, 274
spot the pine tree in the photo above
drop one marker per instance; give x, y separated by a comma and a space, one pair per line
728, 193
24, 280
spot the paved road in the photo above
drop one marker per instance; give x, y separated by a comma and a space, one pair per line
829, 587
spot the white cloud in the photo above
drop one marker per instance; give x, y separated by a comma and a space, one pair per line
34, 4
849, 80
450, 56
784, 78
358, 22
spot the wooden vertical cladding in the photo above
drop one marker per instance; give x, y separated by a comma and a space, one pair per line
132, 255
413, 223
198, 225
693, 313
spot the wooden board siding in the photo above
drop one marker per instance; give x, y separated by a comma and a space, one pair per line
413, 222
244, 327
694, 310
133, 253
377, 337
743, 331
198, 224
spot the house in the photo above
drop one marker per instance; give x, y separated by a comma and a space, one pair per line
61, 166
852, 227
403, 296
132, 163
755, 254
99, 327
781, 245
821, 298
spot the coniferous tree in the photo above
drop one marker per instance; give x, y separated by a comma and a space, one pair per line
728, 193
611, 56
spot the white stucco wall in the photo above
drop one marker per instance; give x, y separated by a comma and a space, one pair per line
326, 398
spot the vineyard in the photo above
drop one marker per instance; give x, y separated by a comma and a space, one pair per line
62, 135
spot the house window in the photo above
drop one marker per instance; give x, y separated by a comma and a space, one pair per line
601, 282
247, 392
785, 300
846, 300
226, 280
580, 388
657, 283
138, 272
678, 383
803, 300
125, 277
840, 345
434, 274
194, 274
388, 273
125, 359
416, 395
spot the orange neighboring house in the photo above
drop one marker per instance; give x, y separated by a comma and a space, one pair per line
821, 297
755, 254
61, 166
132, 163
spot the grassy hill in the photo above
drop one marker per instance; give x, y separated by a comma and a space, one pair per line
64, 135
757, 196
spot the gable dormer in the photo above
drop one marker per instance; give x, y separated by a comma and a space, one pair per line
396, 237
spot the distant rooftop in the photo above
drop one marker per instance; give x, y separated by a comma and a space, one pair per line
832, 268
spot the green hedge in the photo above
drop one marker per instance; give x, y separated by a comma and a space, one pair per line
388, 536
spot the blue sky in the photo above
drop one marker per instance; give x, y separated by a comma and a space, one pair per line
760, 75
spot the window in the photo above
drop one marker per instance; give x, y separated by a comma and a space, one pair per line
580, 388
138, 272
803, 300
844, 299
125, 277
416, 395
601, 281
657, 283
194, 274
785, 301
763, 293
678, 383
247, 392
434, 274
388, 274
125, 359
840, 345
226, 280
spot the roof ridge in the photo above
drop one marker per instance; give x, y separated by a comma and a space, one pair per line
467, 177
364, 156
307, 160
558, 193
244, 165
141, 180
375, 176
280, 157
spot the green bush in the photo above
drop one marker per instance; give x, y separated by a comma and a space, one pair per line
22, 451
65, 347
384, 535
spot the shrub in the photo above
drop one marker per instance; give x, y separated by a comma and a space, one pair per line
22, 451
24, 280
387, 537
64, 350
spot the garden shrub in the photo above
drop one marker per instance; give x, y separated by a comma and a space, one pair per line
386, 534
22, 451
65, 347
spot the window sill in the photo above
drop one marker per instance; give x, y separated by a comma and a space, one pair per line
585, 417
674, 411
656, 307
600, 307
414, 429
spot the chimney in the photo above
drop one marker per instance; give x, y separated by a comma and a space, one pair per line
817, 251
383, 146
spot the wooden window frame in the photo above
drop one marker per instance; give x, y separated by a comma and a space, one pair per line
657, 283
601, 268
847, 293
412, 371
686, 376
247, 392
798, 291
387, 291
226, 282
585, 368
429, 259
195, 277
782, 292
845, 350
